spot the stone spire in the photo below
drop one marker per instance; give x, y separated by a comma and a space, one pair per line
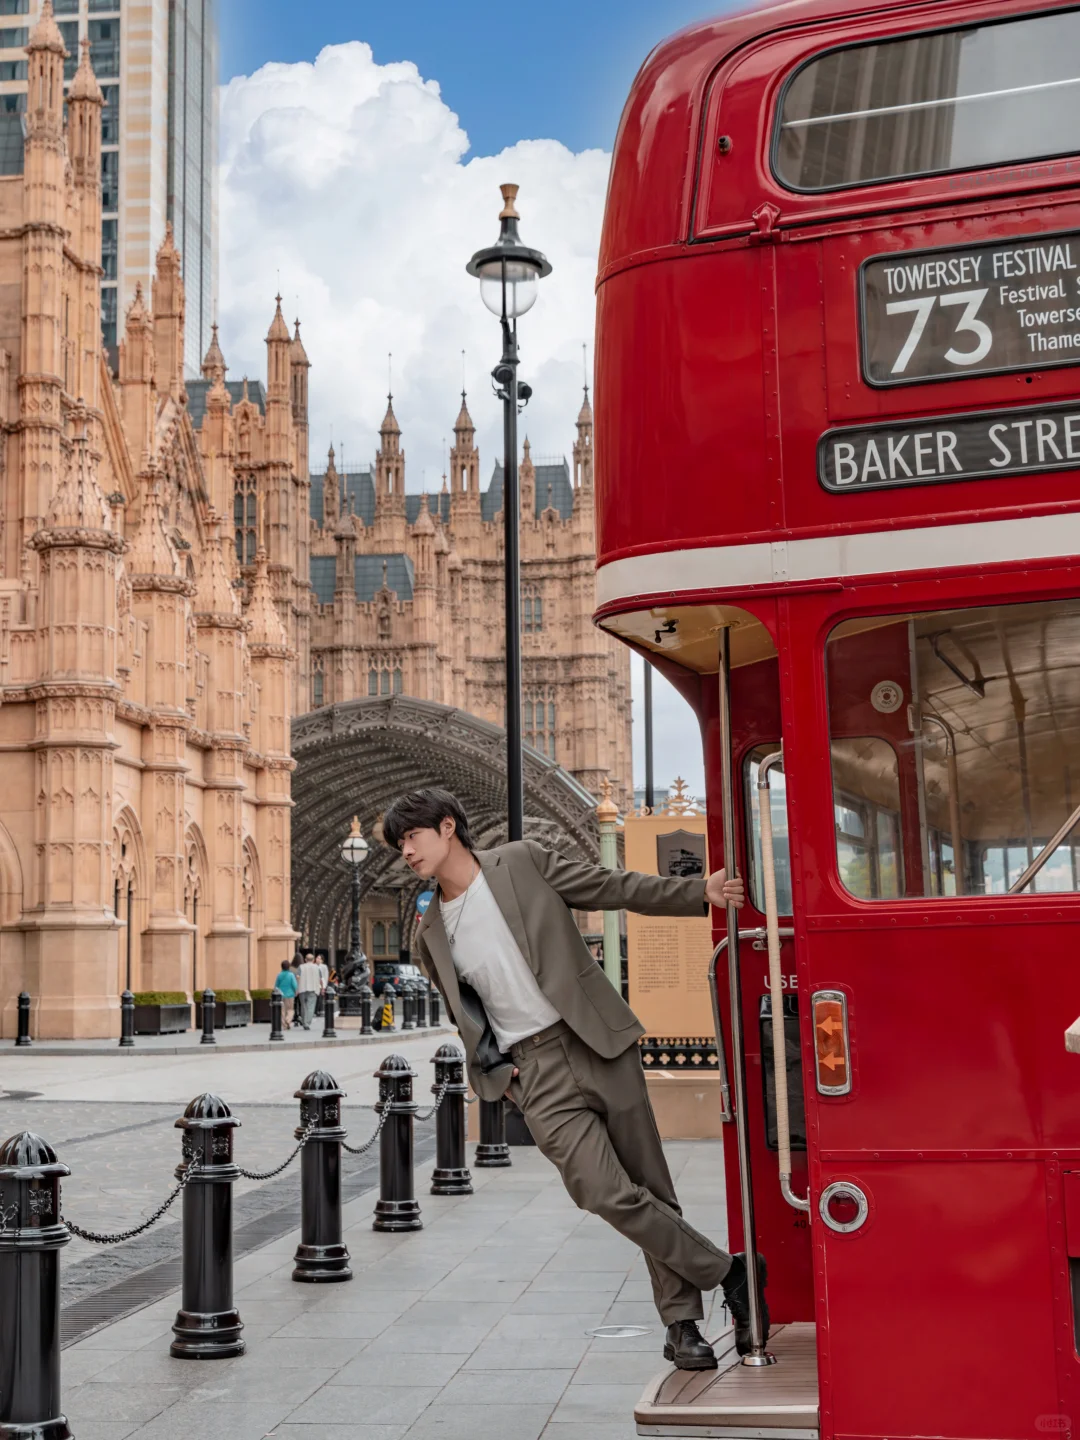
266, 626
278, 329
79, 503
330, 492
527, 484
167, 303
464, 456
215, 595
297, 353
583, 446
46, 33
424, 524
152, 552
389, 426
85, 86
213, 365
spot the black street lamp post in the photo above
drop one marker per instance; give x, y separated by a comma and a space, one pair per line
355, 852
508, 272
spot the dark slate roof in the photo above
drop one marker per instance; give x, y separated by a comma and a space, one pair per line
359, 487
322, 577
368, 576
11, 143
556, 475
436, 504
197, 391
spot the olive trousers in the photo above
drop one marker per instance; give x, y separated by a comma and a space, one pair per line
591, 1117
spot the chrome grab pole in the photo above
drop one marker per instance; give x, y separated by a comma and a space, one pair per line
726, 1112
758, 1354
1044, 854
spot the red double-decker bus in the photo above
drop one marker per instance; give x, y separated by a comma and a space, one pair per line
838, 492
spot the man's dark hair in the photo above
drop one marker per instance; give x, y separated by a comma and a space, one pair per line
424, 810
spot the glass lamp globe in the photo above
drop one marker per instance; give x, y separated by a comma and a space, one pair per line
509, 270
520, 289
355, 848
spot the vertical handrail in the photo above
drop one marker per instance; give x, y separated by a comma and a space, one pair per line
757, 1354
776, 984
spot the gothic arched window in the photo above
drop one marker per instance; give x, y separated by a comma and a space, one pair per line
373, 682
378, 938
398, 680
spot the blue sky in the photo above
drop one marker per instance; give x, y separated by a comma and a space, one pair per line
559, 70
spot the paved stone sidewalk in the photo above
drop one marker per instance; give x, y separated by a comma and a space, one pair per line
472, 1329
251, 1076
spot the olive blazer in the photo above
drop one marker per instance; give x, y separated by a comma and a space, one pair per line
535, 890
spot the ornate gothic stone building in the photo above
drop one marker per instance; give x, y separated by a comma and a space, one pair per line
147, 679
408, 598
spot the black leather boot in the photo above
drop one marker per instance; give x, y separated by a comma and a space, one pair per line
737, 1299
685, 1344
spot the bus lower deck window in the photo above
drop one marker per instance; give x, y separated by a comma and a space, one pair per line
955, 751
953, 100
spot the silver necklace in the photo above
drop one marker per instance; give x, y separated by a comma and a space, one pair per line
452, 938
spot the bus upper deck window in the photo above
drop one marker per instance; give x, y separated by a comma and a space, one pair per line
953, 100
955, 739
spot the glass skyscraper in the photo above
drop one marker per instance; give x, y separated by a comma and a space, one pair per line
157, 63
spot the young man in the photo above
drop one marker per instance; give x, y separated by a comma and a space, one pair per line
542, 1024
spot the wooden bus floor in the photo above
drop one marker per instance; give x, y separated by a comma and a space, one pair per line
775, 1402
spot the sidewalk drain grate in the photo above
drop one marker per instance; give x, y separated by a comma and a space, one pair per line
114, 1302
617, 1332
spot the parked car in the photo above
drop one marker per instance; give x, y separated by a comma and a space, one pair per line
390, 972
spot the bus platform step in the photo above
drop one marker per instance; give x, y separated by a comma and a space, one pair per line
776, 1402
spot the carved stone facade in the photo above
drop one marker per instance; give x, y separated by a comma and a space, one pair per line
146, 679
408, 598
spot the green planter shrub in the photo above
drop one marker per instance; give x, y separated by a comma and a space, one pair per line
161, 997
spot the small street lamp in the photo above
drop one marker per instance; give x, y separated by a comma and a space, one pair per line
509, 273
354, 852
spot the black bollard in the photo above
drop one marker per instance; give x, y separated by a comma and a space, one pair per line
329, 1006
207, 1325
277, 1000
408, 1007
23, 1037
321, 1254
492, 1150
209, 1005
31, 1237
397, 1207
421, 1005
366, 1027
127, 1019
451, 1174
433, 1002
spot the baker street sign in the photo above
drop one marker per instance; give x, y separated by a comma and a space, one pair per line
950, 447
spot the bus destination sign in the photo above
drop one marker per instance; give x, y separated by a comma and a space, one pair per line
946, 314
931, 451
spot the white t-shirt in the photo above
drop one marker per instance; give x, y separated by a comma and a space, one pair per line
486, 956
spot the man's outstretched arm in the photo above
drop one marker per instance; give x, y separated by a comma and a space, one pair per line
594, 887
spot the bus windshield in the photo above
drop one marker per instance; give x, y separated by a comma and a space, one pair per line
954, 100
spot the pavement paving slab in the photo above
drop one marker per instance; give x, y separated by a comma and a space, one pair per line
474, 1328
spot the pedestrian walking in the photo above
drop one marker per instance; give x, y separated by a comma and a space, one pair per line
309, 983
324, 980
544, 1026
285, 985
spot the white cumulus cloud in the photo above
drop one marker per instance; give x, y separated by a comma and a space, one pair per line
346, 184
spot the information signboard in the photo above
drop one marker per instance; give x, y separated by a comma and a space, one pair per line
976, 309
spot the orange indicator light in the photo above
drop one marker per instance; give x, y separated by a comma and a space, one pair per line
832, 1058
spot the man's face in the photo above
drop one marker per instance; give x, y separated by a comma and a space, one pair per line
425, 850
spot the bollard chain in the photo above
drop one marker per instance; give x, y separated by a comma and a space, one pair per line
363, 1149
438, 1101
193, 1165
312, 1126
